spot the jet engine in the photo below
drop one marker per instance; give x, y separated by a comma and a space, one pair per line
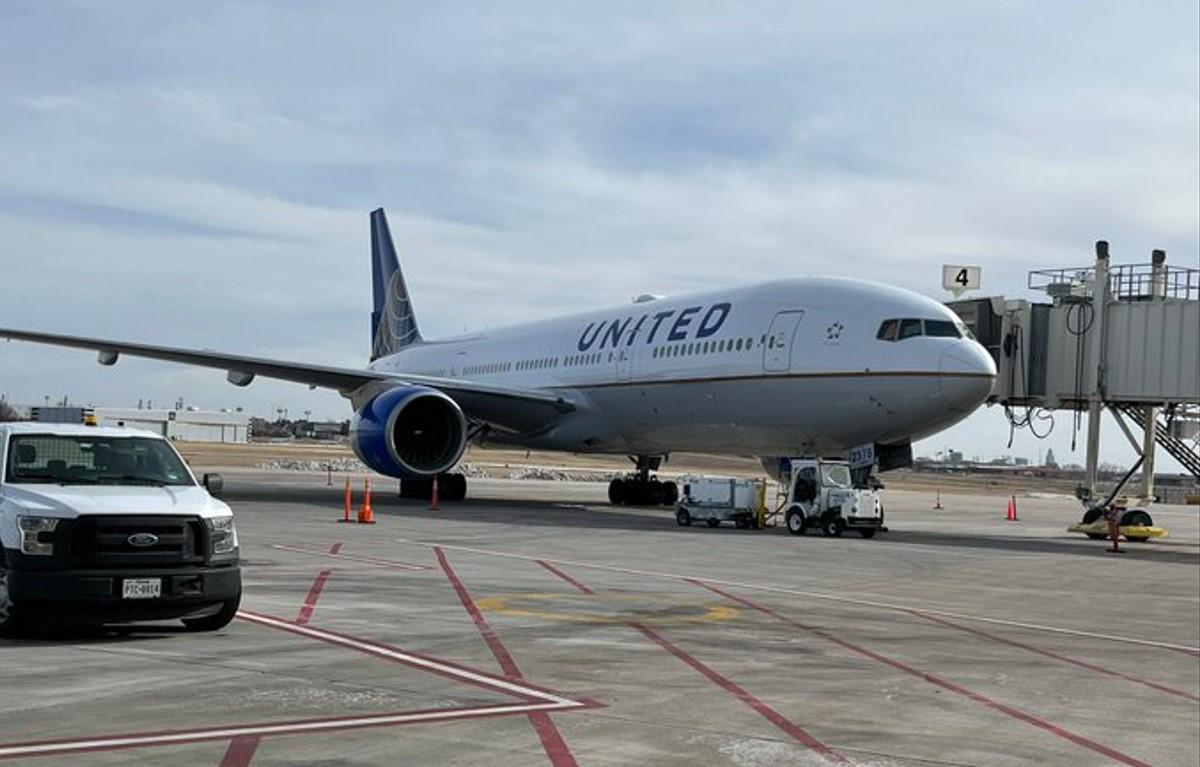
410, 432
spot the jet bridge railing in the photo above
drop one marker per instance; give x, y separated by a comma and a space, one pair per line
1127, 282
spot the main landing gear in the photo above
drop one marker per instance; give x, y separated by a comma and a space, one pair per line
451, 487
640, 489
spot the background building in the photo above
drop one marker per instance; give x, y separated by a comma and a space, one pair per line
185, 425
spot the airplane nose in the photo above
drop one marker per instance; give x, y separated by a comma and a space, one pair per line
967, 373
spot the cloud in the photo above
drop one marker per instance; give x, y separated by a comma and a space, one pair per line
201, 175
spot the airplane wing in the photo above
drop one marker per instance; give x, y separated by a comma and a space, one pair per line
516, 410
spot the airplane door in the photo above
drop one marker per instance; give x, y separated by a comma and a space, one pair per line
624, 364
777, 351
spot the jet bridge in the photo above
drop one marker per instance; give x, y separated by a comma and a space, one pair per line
1120, 337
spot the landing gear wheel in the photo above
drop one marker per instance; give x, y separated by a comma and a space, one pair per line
682, 517
654, 493
833, 527
867, 532
12, 621
418, 489
670, 493
616, 492
456, 486
712, 522
218, 620
795, 521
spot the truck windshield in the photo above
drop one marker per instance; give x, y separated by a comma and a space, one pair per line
835, 475
86, 460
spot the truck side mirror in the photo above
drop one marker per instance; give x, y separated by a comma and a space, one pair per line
213, 483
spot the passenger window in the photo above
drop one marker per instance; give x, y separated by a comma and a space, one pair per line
941, 329
909, 328
887, 331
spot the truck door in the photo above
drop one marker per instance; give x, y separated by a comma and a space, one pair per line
777, 351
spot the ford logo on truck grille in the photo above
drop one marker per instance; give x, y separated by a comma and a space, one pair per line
142, 540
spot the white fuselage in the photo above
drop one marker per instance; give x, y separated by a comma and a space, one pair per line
791, 367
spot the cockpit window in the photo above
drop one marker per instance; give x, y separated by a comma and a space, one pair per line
941, 329
900, 329
909, 329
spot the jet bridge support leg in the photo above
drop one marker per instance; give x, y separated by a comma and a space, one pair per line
640, 488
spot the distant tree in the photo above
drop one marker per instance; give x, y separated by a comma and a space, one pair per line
1050, 462
7, 413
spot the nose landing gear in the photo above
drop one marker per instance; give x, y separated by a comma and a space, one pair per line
641, 489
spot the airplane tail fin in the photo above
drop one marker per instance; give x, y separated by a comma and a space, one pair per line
393, 323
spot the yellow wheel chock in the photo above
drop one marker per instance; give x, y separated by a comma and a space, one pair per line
1131, 532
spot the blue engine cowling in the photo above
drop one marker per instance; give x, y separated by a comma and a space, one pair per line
410, 432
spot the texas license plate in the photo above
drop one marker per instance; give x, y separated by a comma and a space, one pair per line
141, 588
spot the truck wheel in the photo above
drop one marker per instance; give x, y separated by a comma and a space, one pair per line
795, 521
11, 619
833, 527
218, 620
867, 532
742, 522
712, 521
682, 517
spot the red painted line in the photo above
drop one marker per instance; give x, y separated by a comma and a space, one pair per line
768, 713
241, 751
552, 741
577, 584
314, 593
437, 666
864, 603
739, 692
1186, 651
528, 700
259, 730
1053, 729
386, 563
335, 548
1063, 658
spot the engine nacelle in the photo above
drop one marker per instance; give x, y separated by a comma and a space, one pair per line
410, 432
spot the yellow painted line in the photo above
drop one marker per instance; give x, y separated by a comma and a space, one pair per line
876, 604
512, 604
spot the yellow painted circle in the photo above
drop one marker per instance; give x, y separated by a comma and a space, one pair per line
607, 608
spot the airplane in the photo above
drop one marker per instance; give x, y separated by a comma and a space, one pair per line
792, 367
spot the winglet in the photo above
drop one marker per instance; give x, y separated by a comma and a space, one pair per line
393, 323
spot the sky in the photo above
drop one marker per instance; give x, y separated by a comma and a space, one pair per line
199, 174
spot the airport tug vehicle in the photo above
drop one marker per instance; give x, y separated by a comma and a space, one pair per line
108, 525
821, 495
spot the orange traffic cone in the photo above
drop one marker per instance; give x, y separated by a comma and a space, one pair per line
433, 495
1011, 514
366, 516
346, 509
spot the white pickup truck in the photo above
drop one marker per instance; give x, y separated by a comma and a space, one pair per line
108, 525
